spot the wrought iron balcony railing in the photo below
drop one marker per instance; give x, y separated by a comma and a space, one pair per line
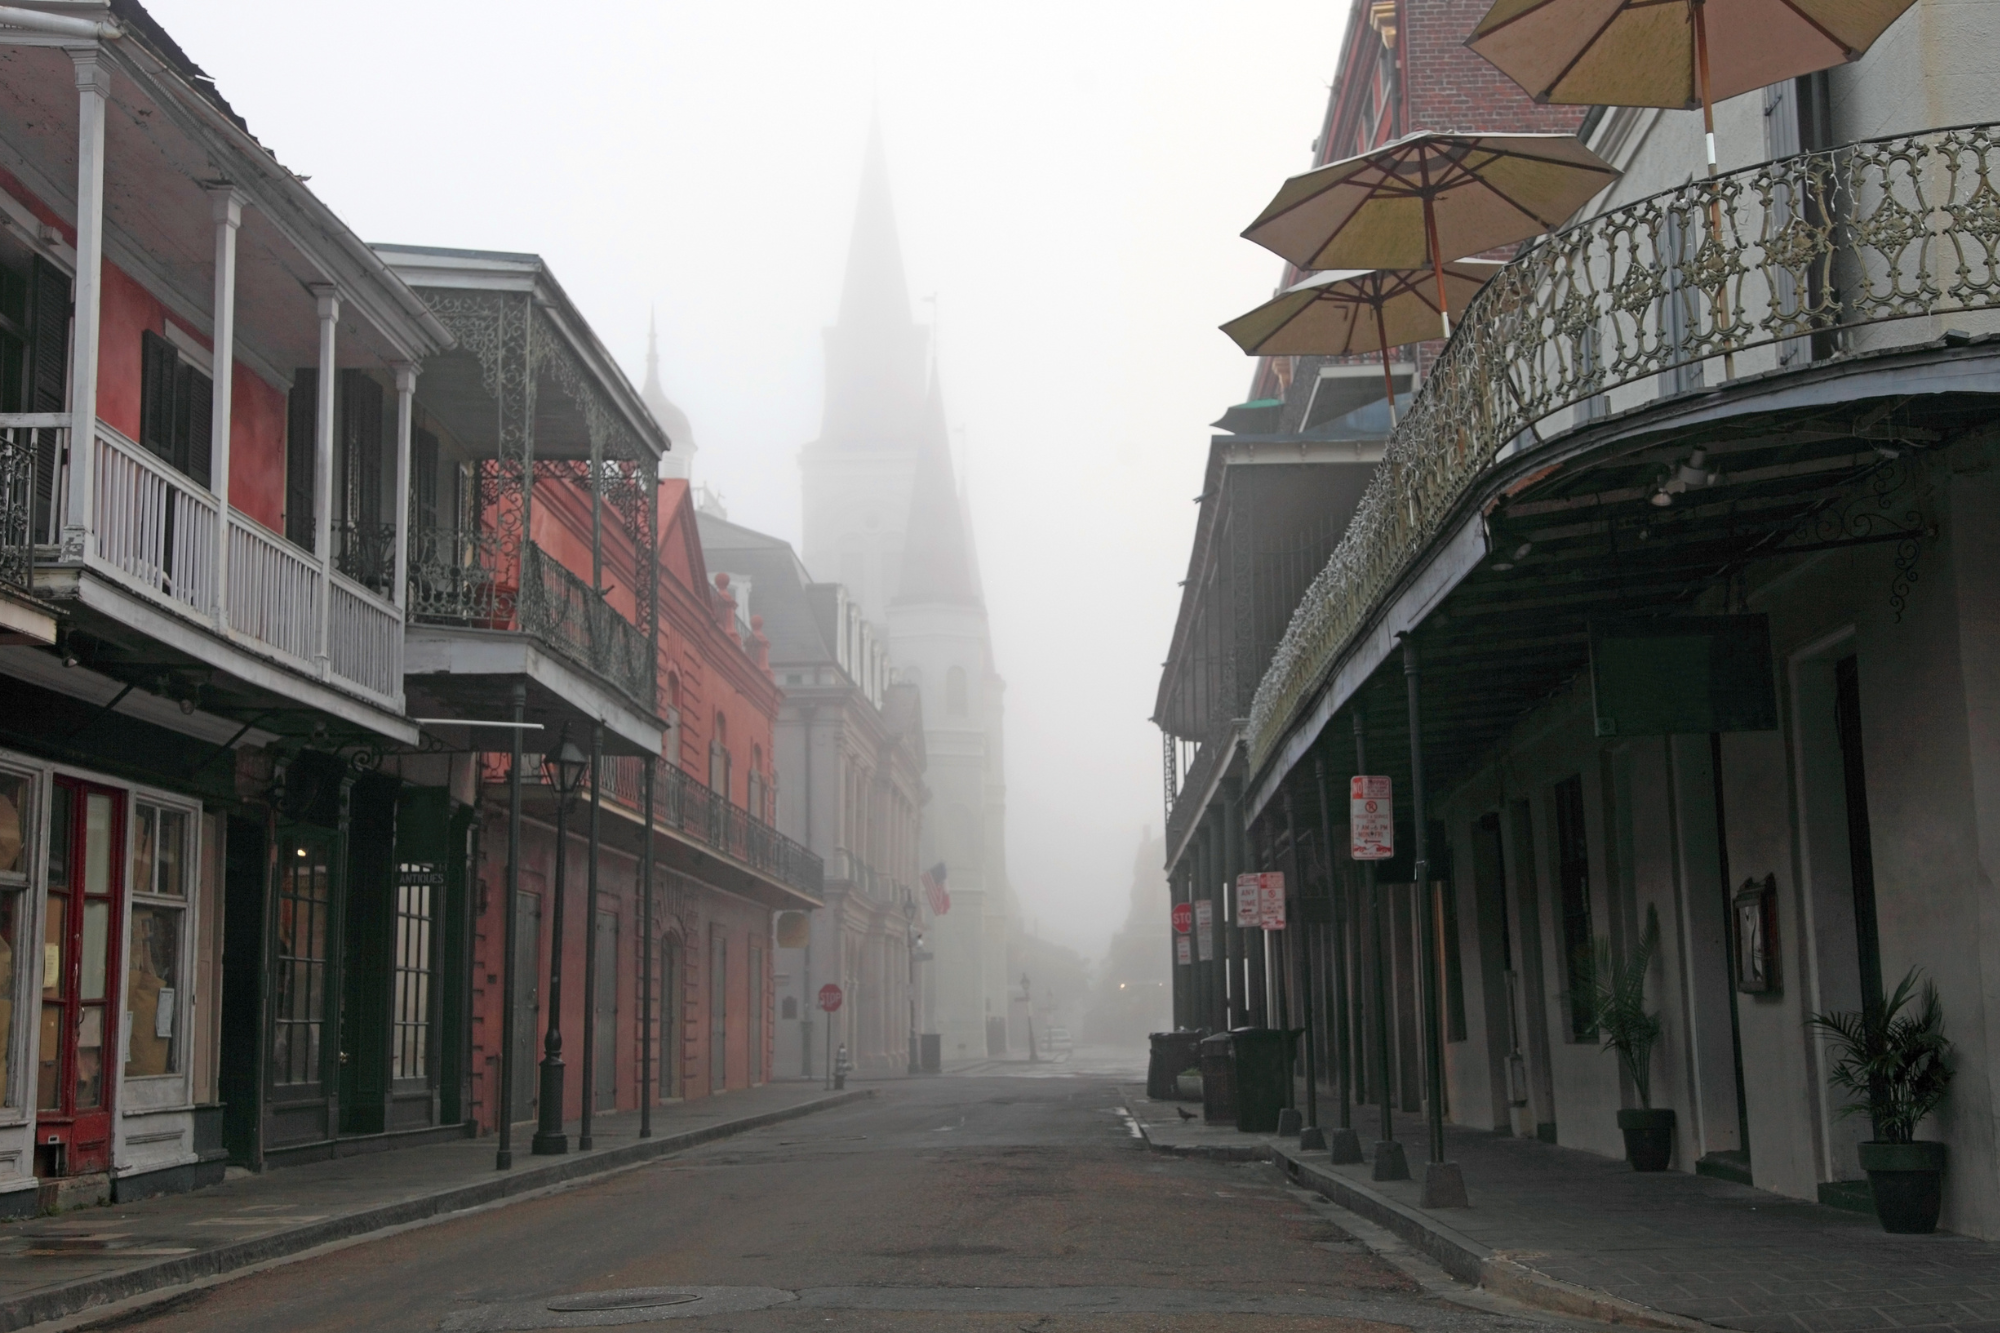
1753, 271
690, 807
475, 578
17, 508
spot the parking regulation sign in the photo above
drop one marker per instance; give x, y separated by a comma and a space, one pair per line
1371, 819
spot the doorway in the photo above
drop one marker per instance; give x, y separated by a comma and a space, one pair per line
80, 960
604, 1056
718, 1009
671, 974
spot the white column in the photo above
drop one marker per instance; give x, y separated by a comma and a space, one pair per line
329, 319
93, 84
227, 203
406, 388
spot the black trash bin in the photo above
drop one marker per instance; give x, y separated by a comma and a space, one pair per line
1263, 1076
932, 1051
1173, 1053
1218, 1079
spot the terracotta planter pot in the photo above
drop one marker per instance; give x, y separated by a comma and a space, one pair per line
1908, 1181
1649, 1137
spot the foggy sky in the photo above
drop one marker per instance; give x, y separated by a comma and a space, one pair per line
1069, 182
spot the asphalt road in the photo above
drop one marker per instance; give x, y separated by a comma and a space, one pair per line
975, 1203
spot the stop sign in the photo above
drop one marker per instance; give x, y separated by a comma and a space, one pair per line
829, 997
1183, 918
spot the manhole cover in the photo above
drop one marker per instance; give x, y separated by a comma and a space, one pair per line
637, 1298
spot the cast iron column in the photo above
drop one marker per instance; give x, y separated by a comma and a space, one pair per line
583, 1141
646, 960
549, 1137
504, 1101
1309, 1133
1390, 1163
1343, 1143
1444, 1185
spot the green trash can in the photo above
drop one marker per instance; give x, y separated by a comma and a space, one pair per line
1263, 1076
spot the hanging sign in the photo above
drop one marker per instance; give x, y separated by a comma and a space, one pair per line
1183, 954
1183, 918
1204, 930
1249, 902
1272, 891
1371, 819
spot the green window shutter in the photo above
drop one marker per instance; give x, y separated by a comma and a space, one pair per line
48, 376
197, 409
159, 365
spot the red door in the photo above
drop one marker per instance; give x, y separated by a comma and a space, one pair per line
79, 1045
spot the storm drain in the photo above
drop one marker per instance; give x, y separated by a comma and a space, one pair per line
638, 1298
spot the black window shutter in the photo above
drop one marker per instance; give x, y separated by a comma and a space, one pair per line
361, 454
198, 402
156, 395
300, 423
48, 377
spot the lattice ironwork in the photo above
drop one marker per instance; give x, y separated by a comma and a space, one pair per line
1808, 247
17, 510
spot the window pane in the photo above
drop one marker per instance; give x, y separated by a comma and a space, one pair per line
48, 1080
60, 800
13, 824
89, 1056
152, 992
301, 965
145, 831
410, 1049
173, 859
10, 916
52, 948
96, 843
96, 934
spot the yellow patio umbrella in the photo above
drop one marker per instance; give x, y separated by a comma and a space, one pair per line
1428, 198
1672, 53
1349, 313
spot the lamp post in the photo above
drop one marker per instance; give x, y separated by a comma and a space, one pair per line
564, 769
910, 939
1028, 998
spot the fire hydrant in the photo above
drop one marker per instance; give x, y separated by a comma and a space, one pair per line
840, 1068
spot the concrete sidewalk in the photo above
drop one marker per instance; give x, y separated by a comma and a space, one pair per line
1585, 1235
54, 1267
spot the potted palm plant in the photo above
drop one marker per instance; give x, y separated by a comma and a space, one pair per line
1611, 997
1892, 1055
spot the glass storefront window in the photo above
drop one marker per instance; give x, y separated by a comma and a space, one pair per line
55, 925
154, 994
13, 824
153, 991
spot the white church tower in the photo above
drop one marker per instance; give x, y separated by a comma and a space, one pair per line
884, 515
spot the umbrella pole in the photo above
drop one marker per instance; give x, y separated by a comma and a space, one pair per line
1437, 263
1388, 380
1697, 10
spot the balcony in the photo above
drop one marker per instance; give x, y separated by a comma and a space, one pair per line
1749, 280
688, 807
158, 536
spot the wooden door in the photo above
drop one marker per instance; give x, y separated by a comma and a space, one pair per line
302, 1066
671, 1037
79, 1040
527, 1003
604, 1059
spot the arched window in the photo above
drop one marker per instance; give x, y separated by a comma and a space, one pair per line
954, 692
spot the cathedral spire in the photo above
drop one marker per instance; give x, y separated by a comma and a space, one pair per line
679, 461
875, 351
937, 550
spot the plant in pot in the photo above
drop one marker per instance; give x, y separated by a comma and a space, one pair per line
1610, 996
1893, 1056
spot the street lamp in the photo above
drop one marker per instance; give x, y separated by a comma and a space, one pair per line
910, 938
564, 768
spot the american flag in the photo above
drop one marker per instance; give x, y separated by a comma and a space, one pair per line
934, 889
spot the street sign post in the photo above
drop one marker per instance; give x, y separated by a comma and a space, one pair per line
1183, 918
1371, 819
829, 1003
1271, 888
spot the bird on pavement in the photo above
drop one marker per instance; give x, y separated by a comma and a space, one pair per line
1184, 1113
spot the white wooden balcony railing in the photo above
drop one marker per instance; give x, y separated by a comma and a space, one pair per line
156, 533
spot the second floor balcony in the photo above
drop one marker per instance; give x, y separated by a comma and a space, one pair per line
1792, 287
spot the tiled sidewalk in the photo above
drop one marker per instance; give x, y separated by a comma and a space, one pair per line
1691, 1246
52, 1267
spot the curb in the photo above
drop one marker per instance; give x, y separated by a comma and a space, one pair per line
1470, 1261
1257, 1149
77, 1297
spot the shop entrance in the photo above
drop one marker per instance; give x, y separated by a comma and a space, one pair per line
79, 962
